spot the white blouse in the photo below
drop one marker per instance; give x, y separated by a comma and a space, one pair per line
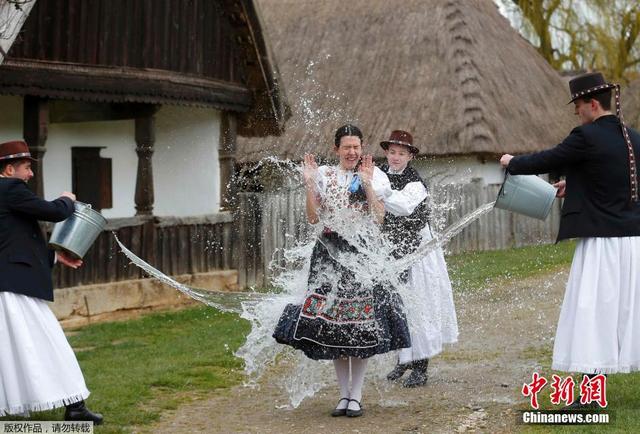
340, 179
404, 202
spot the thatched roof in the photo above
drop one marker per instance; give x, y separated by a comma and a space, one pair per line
453, 72
631, 104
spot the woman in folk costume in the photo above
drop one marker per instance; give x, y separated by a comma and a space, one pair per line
599, 326
430, 310
343, 318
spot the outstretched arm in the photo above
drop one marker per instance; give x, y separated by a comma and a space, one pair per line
572, 150
404, 202
24, 201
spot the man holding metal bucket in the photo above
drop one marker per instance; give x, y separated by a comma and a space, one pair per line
38, 368
599, 323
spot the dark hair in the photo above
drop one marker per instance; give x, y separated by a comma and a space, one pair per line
604, 98
15, 163
347, 130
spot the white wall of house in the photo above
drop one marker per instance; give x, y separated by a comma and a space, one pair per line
118, 139
186, 170
10, 118
185, 162
458, 170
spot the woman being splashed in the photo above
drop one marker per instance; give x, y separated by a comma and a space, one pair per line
345, 316
429, 301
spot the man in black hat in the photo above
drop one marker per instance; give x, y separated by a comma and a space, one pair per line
599, 323
38, 368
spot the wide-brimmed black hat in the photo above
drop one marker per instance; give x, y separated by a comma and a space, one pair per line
399, 137
588, 84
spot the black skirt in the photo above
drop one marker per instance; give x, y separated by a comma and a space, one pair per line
340, 316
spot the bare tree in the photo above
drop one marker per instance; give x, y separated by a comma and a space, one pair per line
616, 35
585, 34
557, 27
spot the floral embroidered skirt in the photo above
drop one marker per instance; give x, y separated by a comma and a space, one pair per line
340, 316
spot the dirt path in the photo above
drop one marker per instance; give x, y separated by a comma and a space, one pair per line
473, 386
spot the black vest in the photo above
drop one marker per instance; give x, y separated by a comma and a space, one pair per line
404, 231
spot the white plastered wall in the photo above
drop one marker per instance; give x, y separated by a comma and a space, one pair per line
118, 139
10, 118
458, 170
185, 162
186, 170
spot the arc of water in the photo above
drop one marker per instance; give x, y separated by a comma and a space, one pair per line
157, 274
426, 247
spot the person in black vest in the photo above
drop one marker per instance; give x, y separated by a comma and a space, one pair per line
430, 309
599, 322
38, 368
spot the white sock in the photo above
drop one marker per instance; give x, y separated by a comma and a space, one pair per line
358, 368
342, 372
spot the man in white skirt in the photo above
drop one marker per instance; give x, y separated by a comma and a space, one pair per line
599, 327
38, 368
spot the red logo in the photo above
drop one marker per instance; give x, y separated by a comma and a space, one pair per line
592, 389
533, 388
562, 390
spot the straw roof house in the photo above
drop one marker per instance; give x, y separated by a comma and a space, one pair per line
453, 72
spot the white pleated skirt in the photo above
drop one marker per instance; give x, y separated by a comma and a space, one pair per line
599, 326
431, 314
38, 369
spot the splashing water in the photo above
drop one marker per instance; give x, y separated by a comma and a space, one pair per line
370, 262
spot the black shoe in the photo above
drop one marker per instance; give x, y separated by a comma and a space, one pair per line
79, 412
398, 371
418, 375
355, 413
340, 411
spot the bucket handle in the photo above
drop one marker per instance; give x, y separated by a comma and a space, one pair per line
501, 193
83, 206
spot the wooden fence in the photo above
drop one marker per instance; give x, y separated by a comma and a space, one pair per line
174, 245
269, 222
253, 238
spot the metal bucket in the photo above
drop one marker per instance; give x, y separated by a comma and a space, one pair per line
77, 233
526, 194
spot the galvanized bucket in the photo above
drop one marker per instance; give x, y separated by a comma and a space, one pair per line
77, 233
526, 194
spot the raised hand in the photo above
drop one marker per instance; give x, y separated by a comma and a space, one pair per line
309, 170
562, 188
366, 170
69, 195
505, 159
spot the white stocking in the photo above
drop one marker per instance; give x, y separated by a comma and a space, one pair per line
358, 368
342, 372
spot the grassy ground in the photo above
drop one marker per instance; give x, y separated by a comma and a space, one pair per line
138, 368
475, 269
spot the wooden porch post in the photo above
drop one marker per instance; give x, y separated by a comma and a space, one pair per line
35, 128
227, 157
145, 139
